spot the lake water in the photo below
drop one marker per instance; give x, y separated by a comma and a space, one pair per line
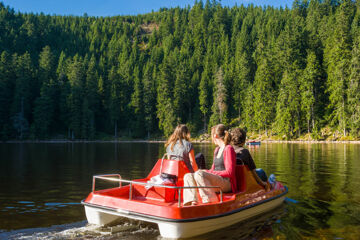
41, 186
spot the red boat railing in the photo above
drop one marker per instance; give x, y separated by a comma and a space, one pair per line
109, 177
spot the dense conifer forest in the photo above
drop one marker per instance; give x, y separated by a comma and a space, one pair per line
279, 71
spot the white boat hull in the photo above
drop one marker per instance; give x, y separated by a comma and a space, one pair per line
176, 229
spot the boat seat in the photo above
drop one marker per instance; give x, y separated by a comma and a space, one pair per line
245, 180
173, 167
240, 172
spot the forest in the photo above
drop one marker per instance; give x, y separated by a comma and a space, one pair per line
284, 72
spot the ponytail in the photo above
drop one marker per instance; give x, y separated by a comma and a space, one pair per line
227, 138
223, 133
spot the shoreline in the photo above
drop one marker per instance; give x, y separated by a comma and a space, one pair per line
163, 141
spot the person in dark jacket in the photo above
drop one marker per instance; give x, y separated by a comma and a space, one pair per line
243, 156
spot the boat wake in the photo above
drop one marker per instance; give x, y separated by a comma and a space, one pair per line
256, 228
81, 230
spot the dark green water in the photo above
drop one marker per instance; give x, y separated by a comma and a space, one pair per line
41, 186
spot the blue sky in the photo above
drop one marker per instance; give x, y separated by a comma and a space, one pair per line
116, 7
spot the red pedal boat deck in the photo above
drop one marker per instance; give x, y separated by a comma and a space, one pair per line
162, 204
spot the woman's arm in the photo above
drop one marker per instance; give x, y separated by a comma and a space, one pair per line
259, 181
192, 160
229, 163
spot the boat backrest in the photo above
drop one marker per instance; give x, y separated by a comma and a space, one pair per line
245, 179
173, 167
240, 177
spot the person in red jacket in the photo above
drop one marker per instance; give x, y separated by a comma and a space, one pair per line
222, 172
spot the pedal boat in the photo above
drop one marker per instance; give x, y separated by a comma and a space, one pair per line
253, 143
162, 203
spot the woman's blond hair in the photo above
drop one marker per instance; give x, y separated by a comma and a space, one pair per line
181, 132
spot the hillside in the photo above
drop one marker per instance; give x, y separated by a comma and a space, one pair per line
280, 72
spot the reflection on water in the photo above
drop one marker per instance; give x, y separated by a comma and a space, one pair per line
256, 228
43, 184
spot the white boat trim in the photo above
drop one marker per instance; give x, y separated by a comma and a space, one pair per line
130, 213
191, 229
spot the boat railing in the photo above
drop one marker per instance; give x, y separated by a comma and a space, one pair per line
106, 177
109, 177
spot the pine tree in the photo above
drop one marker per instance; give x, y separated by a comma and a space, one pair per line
149, 99
219, 107
76, 76
165, 106
45, 106
264, 95
353, 91
87, 120
249, 110
62, 115
46, 65
337, 56
23, 95
194, 103
244, 66
6, 90
92, 100
313, 26
292, 45
288, 109
44, 109
117, 97
310, 96
137, 104
181, 92
204, 95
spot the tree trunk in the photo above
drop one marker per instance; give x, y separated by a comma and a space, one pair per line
190, 112
313, 125
312, 118
115, 129
344, 117
21, 119
205, 124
